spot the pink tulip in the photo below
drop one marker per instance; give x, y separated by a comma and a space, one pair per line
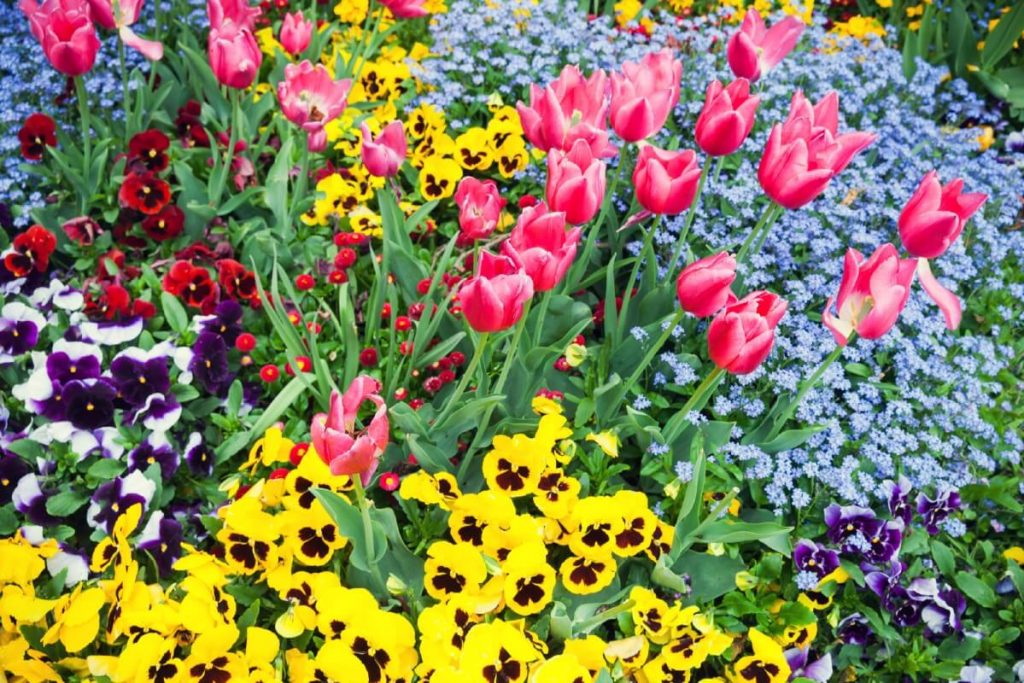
644, 94
383, 155
741, 336
704, 286
127, 13
569, 108
755, 49
310, 99
871, 295
237, 11
65, 32
480, 204
406, 9
296, 33
493, 300
727, 117
576, 182
665, 182
336, 439
935, 215
806, 152
235, 56
540, 245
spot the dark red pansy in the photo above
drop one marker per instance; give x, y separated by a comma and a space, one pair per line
165, 225
193, 284
149, 150
82, 230
36, 134
237, 280
144, 192
189, 125
113, 302
30, 250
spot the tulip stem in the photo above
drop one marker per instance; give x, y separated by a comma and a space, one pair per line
229, 157
697, 399
593, 622
649, 356
580, 266
464, 381
510, 356
765, 223
690, 215
542, 312
124, 91
806, 386
364, 512
83, 113
627, 295
301, 181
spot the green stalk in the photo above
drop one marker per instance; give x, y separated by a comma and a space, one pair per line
651, 352
124, 91
580, 266
225, 170
627, 295
83, 114
807, 385
364, 511
542, 312
699, 394
771, 213
301, 181
601, 617
690, 215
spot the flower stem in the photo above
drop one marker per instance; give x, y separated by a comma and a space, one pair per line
699, 394
649, 356
771, 213
364, 511
83, 113
627, 294
301, 181
542, 312
125, 97
464, 382
806, 386
691, 214
580, 266
601, 617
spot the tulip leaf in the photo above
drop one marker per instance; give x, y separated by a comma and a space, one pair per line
1002, 38
430, 457
789, 439
727, 531
351, 525
711, 576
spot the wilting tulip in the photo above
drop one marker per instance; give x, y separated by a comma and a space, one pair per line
741, 336
576, 182
704, 286
296, 33
126, 13
568, 109
383, 155
541, 246
235, 56
480, 204
66, 33
936, 214
727, 117
493, 300
665, 181
334, 435
755, 49
871, 295
806, 152
644, 94
310, 99
406, 9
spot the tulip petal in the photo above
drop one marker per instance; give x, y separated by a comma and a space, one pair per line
947, 301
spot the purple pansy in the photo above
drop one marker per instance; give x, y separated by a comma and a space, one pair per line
114, 497
799, 660
854, 630
935, 511
198, 456
897, 494
808, 556
226, 321
210, 362
161, 538
19, 330
154, 450
89, 404
30, 500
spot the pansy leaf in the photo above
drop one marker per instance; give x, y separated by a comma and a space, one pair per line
66, 502
943, 557
976, 589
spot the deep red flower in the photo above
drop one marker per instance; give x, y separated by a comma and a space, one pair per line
245, 342
37, 133
337, 277
165, 225
189, 126
368, 357
82, 230
303, 362
31, 250
304, 282
193, 284
298, 451
237, 280
389, 481
144, 308
148, 149
270, 373
403, 323
144, 192
195, 252
345, 258
114, 302
405, 348
457, 358
112, 264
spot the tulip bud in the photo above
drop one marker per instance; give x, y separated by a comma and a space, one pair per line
665, 182
936, 214
383, 155
541, 246
727, 117
493, 300
296, 33
741, 336
576, 183
644, 94
703, 287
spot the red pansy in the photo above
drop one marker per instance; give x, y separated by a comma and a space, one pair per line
165, 225
149, 150
144, 192
237, 280
31, 249
37, 133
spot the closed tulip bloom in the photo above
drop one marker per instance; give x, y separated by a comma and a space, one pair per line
480, 204
871, 295
756, 49
493, 299
644, 94
741, 336
805, 152
936, 214
406, 9
296, 33
310, 99
335, 438
541, 246
576, 183
235, 56
727, 117
383, 155
66, 33
704, 286
570, 108
665, 181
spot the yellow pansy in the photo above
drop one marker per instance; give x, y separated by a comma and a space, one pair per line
608, 441
77, 619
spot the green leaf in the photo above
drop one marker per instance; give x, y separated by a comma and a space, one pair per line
1004, 636
276, 194
249, 616
959, 648
235, 397
1001, 39
8, 520
726, 531
351, 525
944, 558
430, 457
976, 589
963, 43
711, 576
790, 439
66, 502
174, 312
105, 469
27, 448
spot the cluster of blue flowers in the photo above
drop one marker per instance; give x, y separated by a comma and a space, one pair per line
910, 403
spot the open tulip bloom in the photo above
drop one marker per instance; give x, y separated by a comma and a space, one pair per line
311, 99
871, 296
570, 108
335, 437
755, 49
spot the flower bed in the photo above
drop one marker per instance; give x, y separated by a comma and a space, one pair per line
505, 341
